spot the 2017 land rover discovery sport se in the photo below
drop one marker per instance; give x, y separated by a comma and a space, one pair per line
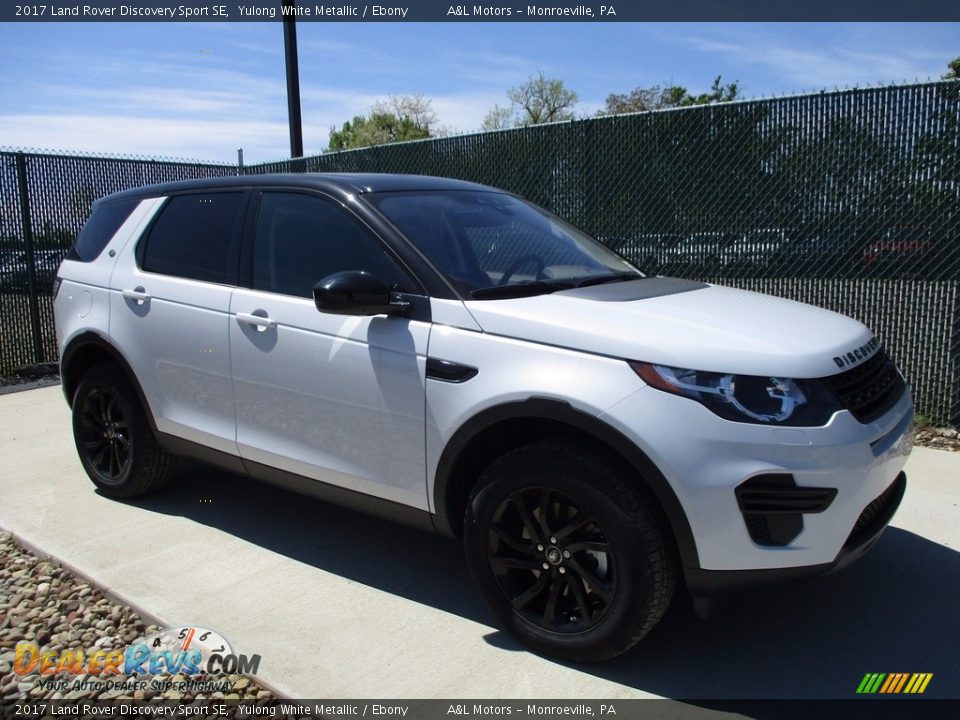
451, 356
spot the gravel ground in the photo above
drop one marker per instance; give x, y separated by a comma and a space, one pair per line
45, 603
31, 372
27, 378
939, 438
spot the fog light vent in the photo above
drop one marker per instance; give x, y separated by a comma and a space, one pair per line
773, 507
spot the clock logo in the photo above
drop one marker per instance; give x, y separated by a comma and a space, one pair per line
187, 649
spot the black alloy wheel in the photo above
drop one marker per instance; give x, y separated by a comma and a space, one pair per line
103, 434
569, 550
552, 560
111, 429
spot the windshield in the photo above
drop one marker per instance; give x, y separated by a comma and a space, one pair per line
490, 244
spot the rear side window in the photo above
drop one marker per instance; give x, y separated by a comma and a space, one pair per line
196, 237
100, 228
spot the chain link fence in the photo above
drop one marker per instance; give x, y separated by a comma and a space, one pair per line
847, 200
44, 201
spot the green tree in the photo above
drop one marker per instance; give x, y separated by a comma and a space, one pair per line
659, 97
954, 69
539, 100
403, 117
499, 118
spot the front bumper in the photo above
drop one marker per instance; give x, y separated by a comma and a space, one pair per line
868, 529
705, 459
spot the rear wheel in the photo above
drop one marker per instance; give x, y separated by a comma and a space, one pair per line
567, 552
116, 445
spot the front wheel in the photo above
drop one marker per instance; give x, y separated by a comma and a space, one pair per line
569, 554
113, 437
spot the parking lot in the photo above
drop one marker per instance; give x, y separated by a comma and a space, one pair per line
341, 605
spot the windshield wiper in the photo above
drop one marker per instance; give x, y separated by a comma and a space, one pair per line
529, 289
601, 279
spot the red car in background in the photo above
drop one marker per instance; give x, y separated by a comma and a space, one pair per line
902, 248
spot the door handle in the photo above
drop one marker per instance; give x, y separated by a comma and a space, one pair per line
258, 321
138, 295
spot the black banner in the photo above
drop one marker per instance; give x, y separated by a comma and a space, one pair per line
647, 709
496, 11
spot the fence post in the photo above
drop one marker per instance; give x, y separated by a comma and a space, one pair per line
953, 411
27, 229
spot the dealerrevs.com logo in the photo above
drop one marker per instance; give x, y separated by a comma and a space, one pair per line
188, 651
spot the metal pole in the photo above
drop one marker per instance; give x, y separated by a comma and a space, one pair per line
293, 79
239, 161
27, 230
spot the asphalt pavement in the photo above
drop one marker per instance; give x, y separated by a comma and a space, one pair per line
341, 605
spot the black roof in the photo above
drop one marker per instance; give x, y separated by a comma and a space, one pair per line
356, 183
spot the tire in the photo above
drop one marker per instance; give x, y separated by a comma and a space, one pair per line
610, 571
114, 441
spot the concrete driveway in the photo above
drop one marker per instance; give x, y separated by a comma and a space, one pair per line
341, 605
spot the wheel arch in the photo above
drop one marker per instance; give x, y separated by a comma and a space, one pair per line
89, 349
501, 428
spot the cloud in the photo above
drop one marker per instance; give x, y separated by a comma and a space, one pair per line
464, 112
215, 140
334, 47
172, 101
826, 66
256, 47
182, 100
491, 69
210, 125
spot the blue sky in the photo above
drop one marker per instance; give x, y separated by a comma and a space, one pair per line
201, 90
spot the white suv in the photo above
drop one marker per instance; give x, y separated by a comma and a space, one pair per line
448, 355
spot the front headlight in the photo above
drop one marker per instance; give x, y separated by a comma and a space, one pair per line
746, 398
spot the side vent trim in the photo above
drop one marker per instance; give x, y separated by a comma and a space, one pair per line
448, 371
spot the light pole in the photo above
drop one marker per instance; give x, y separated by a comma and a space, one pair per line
293, 79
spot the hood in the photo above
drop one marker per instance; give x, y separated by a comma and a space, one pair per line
688, 325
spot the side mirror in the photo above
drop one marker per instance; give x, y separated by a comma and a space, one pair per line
356, 293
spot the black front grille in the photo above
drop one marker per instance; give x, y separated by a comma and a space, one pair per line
878, 512
785, 499
870, 389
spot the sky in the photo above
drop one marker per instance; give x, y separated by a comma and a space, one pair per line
202, 90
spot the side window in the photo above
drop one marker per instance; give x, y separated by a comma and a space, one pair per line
300, 239
197, 237
99, 229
